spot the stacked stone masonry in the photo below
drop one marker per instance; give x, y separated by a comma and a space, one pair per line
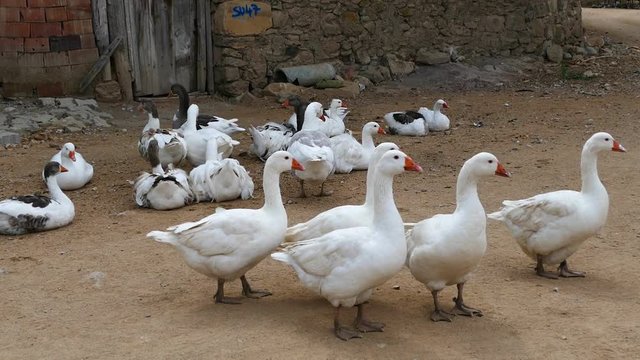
46, 46
378, 36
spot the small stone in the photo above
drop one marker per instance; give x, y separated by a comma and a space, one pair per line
89, 103
67, 103
588, 74
96, 278
9, 109
563, 337
3, 271
7, 138
555, 289
591, 50
555, 53
426, 56
47, 101
396, 287
124, 130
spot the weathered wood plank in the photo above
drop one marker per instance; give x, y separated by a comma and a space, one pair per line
208, 28
101, 31
184, 42
117, 26
103, 60
129, 32
201, 55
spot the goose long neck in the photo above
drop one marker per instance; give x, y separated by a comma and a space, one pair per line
212, 150
183, 98
589, 172
370, 186
271, 186
367, 141
437, 107
54, 190
300, 110
152, 123
467, 191
385, 212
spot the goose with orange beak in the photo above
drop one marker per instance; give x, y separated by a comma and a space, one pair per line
79, 171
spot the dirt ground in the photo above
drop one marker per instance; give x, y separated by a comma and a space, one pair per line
148, 304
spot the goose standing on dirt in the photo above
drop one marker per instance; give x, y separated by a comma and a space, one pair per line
160, 189
197, 139
436, 120
550, 227
352, 155
345, 265
79, 171
443, 250
220, 179
172, 146
32, 213
410, 123
227, 244
345, 216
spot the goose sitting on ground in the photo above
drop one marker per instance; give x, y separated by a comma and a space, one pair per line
227, 244
173, 147
299, 107
330, 126
79, 171
345, 216
197, 139
436, 120
337, 110
160, 189
550, 227
220, 179
345, 265
410, 123
31, 213
227, 126
445, 249
352, 155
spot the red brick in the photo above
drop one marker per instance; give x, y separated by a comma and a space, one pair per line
79, 3
88, 41
36, 44
56, 59
13, 3
73, 27
17, 89
58, 72
79, 14
11, 44
31, 60
56, 13
50, 89
46, 29
8, 60
83, 56
32, 14
9, 29
47, 3
9, 14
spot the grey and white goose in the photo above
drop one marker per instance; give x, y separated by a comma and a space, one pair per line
160, 189
410, 123
227, 126
31, 213
172, 146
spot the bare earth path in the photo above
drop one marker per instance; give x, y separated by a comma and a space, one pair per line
150, 305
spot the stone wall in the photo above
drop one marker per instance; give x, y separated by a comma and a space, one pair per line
379, 38
46, 46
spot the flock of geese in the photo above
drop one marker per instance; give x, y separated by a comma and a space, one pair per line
343, 253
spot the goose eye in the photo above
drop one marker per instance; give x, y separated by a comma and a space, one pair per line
286, 158
396, 157
490, 161
606, 139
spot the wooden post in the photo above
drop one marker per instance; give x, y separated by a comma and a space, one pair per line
208, 29
118, 28
101, 31
201, 58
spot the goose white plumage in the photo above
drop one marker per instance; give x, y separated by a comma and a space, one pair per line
79, 171
550, 227
337, 110
32, 213
227, 244
444, 249
345, 216
410, 123
197, 139
331, 126
345, 265
220, 179
269, 138
351, 155
172, 146
160, 189
436, 120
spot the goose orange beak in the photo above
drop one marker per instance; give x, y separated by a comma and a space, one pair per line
295, 165
285, 104
72, 155
381, 131
323, 118
445, 105
618, 147
501, 171
410, 165
63, 169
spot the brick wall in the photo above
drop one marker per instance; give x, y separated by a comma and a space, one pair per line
46, 46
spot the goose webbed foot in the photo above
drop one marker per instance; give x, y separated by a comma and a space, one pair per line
323, 192
342, 332
541, 272
460, 308
564, 271
302, 193
438, 314
250, 293
365, 325
221, 299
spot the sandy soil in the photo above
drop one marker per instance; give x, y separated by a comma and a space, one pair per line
150, 305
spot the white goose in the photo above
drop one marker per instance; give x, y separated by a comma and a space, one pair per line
444, 249
79, 171
160, 189
352, 155
31, 213
337, 110
220, 179
436, 120
173, 147
345, 216
550, 227
331, 126
197, 139
345, 265
410, 123
227, 244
